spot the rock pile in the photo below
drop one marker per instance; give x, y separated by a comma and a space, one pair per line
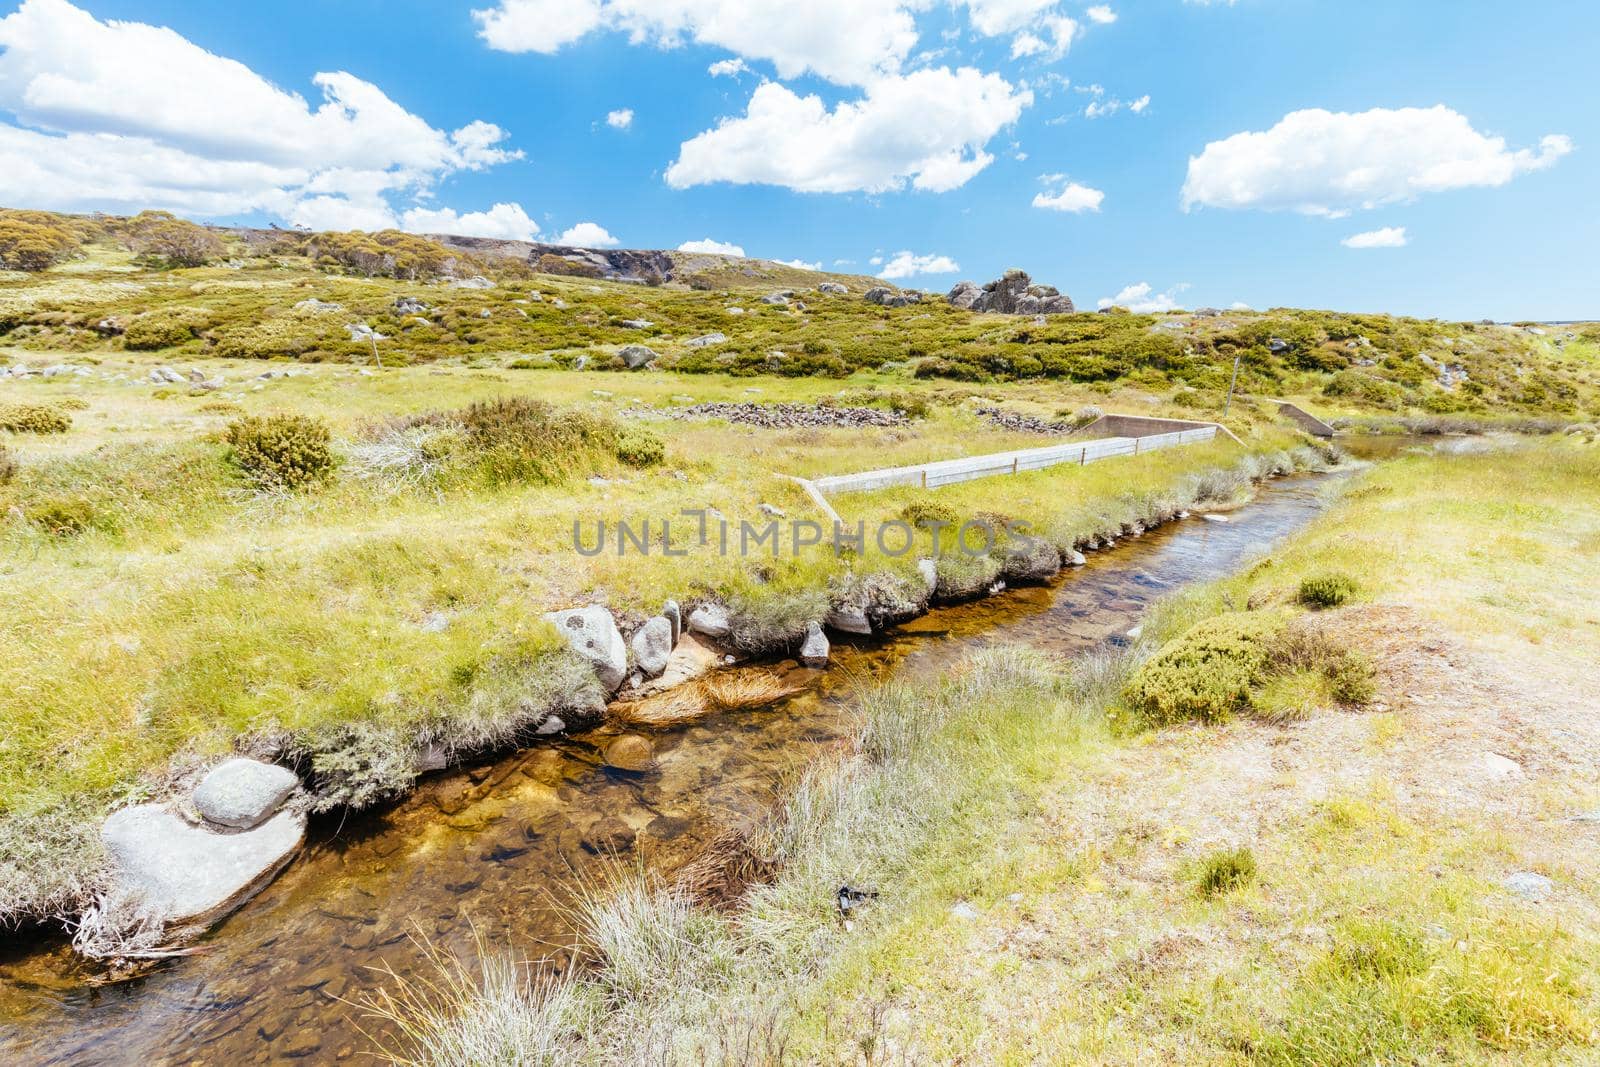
787, 416
1013, 293
1011, 420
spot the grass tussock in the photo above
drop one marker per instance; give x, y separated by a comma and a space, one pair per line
1224, 871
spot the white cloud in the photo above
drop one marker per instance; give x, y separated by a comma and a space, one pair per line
587, 235
1388, 237
1101, 14
711, 247
727, 68
994, 17
620, 119
1141, 299
1138, 106
928, 128
800, 264
1331, 163
506, 221
845, 41
1102, 105
1052, 38
1239, 305
909, 264
186, 130
1072, 197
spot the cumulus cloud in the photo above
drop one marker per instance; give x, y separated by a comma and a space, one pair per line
506, 221
712, 247
1103, 105
1329, 163
587, 235
1388, 237
620, 119
1072, 197
994, 17
845, 41
928, 128
1141, 299
909, 264
727, 68
1101, 14
800, 264
197, 133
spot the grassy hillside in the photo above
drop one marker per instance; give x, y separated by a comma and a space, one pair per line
106, 296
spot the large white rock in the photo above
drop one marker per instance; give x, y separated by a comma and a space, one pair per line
652, 646
189, 875
593, 634
711, 620
242, 792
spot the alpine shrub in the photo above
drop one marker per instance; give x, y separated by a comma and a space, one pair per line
281, 451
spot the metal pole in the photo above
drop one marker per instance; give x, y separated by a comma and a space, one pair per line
1229, 403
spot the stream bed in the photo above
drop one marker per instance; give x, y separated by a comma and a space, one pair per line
492, 851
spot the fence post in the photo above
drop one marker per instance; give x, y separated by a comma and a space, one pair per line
924, 477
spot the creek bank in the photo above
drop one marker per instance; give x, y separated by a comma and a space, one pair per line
630, 668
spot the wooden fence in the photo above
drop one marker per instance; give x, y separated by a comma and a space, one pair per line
950, 471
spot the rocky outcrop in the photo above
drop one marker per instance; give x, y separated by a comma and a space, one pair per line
707, 339
833, 289
241, 793
884, 296
1013, 293
592, 633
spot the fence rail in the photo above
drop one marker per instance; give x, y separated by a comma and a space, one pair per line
951, 471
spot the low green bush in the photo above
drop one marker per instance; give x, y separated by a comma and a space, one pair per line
929, 511
161, 329
1225, 871
281, 451
63, 516
1326, 590
638, 446
1351, 679
34, 418
1207, 673
519, 440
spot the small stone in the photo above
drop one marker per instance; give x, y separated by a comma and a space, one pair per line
630, 752
962, 910
1075, 558
707, 339
242, 792
552, 724
674, 615
652, 645
814, 652
1495, 767
1213, 517
636, 324
929, 570
771, 511
1528, 885
711, 620
849, 620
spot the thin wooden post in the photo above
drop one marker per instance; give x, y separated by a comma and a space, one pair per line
1014, 464
1136, 446
924, 477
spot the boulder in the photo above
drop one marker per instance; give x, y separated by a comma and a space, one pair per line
711, 620
707, 339
775, 299
674, 615
360, 331
593, 634
410, 305
242, 792
638, 356
189, 875
929, 570
313, 306
833, 289
636, 324
849, 620
1013, 293
630, 752
814, 652
1528, 884
891, 298
1030, 560
477, 281
652, 645
1277, 346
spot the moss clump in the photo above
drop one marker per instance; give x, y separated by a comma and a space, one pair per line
519, 440
8, 466
1326, 590
281, 451
34, 418
1225, 871
1207, 674
929, 512
162, 329
639, 447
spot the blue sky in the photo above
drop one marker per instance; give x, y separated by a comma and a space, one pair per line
1196, 153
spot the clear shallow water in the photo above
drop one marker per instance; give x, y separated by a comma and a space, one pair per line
496, 848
